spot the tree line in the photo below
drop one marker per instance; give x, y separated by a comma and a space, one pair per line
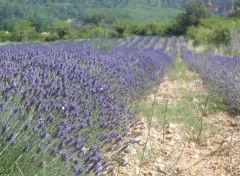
102, 24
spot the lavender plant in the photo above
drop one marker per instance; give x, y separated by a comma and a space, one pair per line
154, 43
221, 74
163, 45
136, 42
63, 109
145, 42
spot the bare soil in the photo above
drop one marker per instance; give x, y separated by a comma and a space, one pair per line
170, 149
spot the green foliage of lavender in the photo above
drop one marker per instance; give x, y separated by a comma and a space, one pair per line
62, 108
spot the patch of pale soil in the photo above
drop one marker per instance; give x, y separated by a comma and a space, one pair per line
217, 152
169, 150
150, 155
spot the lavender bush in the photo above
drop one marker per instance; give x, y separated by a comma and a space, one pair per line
163, 45
152, 45
221, 74
63, 109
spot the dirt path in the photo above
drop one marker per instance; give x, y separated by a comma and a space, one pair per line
183, 132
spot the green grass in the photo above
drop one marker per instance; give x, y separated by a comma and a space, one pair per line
180, 72
185, 113
120, 160
180, 114
214, 104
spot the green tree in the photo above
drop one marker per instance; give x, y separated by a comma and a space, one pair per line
60, 28
99, 17
5, 36
23, 31
194, 12
120, 27
236, 10
39, 24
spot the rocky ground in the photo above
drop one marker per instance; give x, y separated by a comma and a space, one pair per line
170, 145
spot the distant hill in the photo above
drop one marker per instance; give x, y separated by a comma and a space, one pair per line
139, 11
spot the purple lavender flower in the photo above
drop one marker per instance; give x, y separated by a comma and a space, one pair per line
26, 148
75, 102
5, 129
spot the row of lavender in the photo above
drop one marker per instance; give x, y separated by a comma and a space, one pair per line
144, 43
62, 109
221, 74
152, 47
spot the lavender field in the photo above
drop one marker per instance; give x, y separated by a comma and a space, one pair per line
64, 105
